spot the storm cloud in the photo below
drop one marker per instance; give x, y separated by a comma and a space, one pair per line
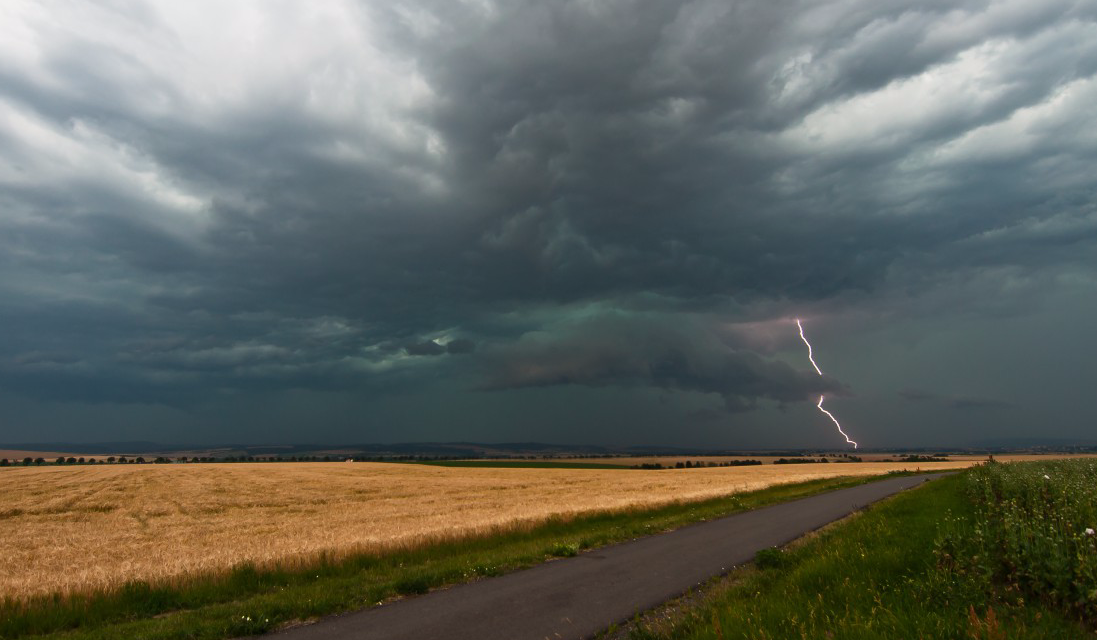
205, 206
671, 353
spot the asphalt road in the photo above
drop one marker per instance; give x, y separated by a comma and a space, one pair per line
581, 596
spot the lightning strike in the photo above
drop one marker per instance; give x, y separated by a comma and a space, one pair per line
822, 397
804, 338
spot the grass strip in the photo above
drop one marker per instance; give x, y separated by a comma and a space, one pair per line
248, 600
873, 575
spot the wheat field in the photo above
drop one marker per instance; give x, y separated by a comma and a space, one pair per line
75, 529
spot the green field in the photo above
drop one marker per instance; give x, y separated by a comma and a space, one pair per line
249, 601
1000, 551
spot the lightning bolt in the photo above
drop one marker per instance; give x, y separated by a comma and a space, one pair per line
822, 397
805, 339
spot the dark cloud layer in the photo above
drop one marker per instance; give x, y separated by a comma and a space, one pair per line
568, 195
670, 353
434, 348
953, 402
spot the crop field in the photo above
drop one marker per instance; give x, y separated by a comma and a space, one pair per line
75, 529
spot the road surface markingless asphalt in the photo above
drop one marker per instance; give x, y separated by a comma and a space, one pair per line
581, 596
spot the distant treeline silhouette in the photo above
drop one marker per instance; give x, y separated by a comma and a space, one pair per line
688, 464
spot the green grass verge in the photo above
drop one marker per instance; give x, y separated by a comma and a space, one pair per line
874, 575
520, 464
249, 601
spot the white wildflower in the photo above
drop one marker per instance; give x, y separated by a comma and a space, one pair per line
1047, 477
1090, 531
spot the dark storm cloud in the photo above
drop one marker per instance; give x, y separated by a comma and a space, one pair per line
914, 395
955, 402
367, 184
592, 156
427, 348
664, 352
434, 348
461, 345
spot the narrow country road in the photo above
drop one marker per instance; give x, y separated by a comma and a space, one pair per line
581, 596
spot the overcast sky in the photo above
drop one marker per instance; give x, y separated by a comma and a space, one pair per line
565, 221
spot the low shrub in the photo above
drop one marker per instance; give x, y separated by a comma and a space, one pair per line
771, 559
564, 549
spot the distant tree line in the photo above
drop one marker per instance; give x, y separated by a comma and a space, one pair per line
26, 462
917, 458
689, 464
71, 460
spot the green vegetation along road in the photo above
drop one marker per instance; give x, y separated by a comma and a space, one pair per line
1000, 551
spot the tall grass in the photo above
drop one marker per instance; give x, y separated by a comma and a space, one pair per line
1034, 534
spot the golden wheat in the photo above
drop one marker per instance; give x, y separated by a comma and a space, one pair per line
73, 529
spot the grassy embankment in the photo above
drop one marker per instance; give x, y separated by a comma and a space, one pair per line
1000, 551
248, 600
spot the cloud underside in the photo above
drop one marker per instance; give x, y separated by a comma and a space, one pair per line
955, 402
561, 194
659, 352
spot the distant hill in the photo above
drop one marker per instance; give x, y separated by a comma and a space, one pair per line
432, 449
439, 449
1034, 443
499, 449
86, 447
